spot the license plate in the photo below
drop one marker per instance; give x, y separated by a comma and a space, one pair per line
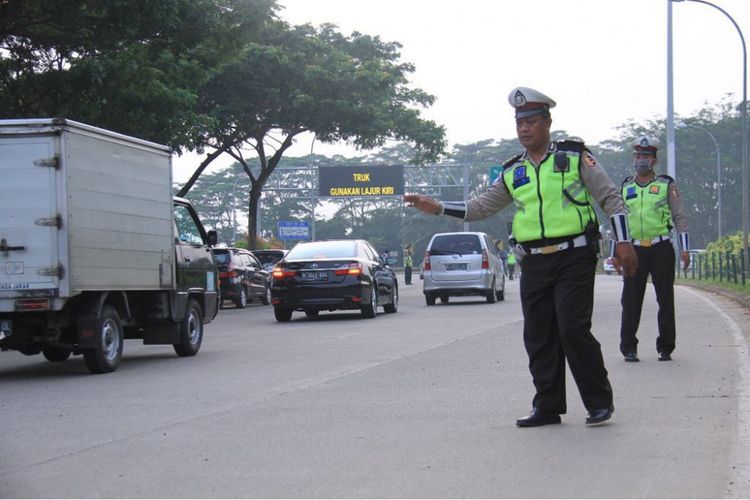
6, 328
314, 275
455, 267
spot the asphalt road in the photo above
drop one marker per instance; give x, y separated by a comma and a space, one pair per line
421, 403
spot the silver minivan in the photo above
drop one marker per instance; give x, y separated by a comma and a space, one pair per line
464, 263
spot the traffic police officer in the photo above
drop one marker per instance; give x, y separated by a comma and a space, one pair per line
653, 202
555, 226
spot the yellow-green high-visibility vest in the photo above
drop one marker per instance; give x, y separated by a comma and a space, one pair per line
649, 214
551, 200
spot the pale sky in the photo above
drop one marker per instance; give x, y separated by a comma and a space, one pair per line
603, 61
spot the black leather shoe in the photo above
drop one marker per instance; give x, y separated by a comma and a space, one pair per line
631, 356
663, 356
538, 417
598, 416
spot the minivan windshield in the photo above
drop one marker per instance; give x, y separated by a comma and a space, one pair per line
456, 244
222, 257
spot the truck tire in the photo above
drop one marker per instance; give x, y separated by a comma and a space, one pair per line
55, 353
105, 357
31, 349
191, 331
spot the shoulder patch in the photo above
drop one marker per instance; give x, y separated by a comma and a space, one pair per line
588, 159
665, 177
510, 161
571, 145
674, 191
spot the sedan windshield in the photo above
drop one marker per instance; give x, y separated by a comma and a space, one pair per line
324, 250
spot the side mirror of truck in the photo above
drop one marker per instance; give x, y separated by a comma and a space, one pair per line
213, 238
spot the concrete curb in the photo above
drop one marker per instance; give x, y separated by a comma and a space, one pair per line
740, 298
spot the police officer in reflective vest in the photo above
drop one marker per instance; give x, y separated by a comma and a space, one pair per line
653, 203
408, 262
552, 185
511, 265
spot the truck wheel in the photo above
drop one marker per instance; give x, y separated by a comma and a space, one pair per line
105, 357
191, 331
31, 349
283, 314
241, 300
54, 353
266, 298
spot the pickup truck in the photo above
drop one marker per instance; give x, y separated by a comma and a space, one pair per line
94, 248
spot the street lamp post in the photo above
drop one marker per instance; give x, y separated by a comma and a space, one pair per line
718, 169
743, 109
314, 198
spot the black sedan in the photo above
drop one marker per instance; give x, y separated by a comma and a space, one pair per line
333, 275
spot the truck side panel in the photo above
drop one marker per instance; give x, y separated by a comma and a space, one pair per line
119, 214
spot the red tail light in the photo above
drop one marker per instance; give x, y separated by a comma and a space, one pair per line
229, 274
353, 269
279, 273
426, 263
32, 304
485, 260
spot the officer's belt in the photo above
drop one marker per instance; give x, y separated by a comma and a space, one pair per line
652, 241
577, 242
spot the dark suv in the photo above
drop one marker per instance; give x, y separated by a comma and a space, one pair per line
269, 257
242, 277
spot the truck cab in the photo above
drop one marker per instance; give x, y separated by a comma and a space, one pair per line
94, 249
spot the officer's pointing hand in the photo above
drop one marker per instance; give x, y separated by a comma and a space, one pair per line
625, 261
424, 203
685, 256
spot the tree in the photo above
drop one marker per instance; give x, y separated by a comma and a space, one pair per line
350, 88
132, 67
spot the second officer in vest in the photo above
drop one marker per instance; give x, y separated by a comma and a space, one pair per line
653, 203
552, 185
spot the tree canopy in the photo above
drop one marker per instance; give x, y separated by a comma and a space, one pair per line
135, 67
307, 79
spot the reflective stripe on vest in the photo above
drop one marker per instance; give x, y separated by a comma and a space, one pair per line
551, 201
649, 215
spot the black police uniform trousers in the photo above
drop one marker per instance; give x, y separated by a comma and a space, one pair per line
557, 298
658, 261
407, 275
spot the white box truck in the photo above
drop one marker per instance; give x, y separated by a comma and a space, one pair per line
94, 249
